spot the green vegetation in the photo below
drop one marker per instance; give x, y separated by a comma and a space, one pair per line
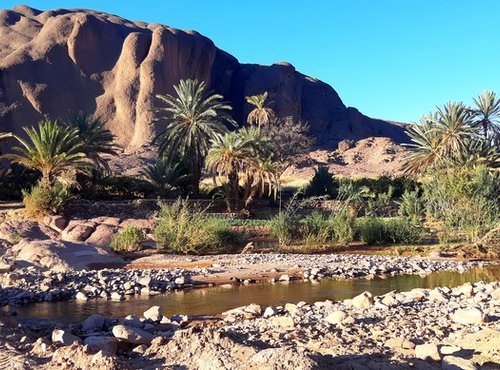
321, 184
380, 231
192, 119
185, 229
43, 200
167, 175
128, 240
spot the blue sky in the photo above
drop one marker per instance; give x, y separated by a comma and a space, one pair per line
392, 59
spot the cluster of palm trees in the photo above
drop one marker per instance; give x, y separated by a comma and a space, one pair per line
457, 135
61, 151
197, 132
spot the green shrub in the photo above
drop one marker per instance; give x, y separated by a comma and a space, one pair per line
314, 229
377, 231
285, 227
321, 184
14, 179
117, 187
342, 227
465, 200
370, 230
43, 200
128, 240
190, 230
411, 205
380, 203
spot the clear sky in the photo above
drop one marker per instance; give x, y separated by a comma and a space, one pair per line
392, 59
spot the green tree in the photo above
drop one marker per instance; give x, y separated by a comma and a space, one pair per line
243, 157
487, 114
262, 113
192, 119
95, 137
53, 149
166, 175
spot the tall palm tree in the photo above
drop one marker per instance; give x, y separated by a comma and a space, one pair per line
261, 114
193, 118
425, 146
454, 128
4, 136
487, 114
53, 149
96, 139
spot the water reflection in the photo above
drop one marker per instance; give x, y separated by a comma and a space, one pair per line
218, 299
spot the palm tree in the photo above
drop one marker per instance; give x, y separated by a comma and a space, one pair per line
487, 113
243, 158
96, 139
261, 114
192, 119
53, 149
4, 136
425, 147
166, 175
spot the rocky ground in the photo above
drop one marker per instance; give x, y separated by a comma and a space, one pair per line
32, 284
423, 329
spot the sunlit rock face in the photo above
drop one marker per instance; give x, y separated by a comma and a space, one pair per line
62, 60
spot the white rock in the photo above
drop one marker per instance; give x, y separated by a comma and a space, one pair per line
457, 363
80, 296
336, 317
469, 316
99, 343
154, 313
427, 352
363, 300
132, 335
61, 336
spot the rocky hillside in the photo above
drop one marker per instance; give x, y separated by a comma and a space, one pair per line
62, 60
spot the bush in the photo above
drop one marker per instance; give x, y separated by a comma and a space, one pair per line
377, 231
411, 205
342, 227
43, 200
121, 187
285, 228
465, 200
314, 229
128, 240
187, 230
321, 184
14, 179
380, 203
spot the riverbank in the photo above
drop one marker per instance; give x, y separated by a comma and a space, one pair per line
30, 285
422, 329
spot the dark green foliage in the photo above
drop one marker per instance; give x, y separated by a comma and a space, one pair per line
128, 240
167, 175
378, 231
117, 187
321, 184
44, 200
14, 179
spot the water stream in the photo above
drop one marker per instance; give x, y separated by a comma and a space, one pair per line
217, 299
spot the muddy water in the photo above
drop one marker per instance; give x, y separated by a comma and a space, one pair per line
218, 299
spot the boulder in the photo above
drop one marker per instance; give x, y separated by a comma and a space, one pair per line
154, 313
132, 335
457, 363
102, 236
64, 337
469, 316
93, 322
428, 352
77, 231
101, 343
336, 317
285, 322
57, 223
363, 300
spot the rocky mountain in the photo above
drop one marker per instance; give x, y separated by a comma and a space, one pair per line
57, 61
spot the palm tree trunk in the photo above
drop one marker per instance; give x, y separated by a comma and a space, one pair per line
233, 198
196, 178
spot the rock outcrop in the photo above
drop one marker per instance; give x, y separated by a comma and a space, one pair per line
62, 60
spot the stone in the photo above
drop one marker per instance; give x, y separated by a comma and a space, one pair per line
180, 280
469, 316
437, 295
145, 281
336, 317
285, 322
344, 145
449, 350
102, 343
93, 322
57, 223
457, 363
132, 335
81, 296
427, 352
269, 312
64, 337
253, 309
363, 300
284, 278
154, 313
77, 232
115, 296
291, 308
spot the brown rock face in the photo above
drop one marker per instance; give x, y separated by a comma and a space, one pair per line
63, 60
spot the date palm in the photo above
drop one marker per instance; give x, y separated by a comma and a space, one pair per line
5, 136
487, 114
53, 149
192, 119
261, 114
166, 175
96, 139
